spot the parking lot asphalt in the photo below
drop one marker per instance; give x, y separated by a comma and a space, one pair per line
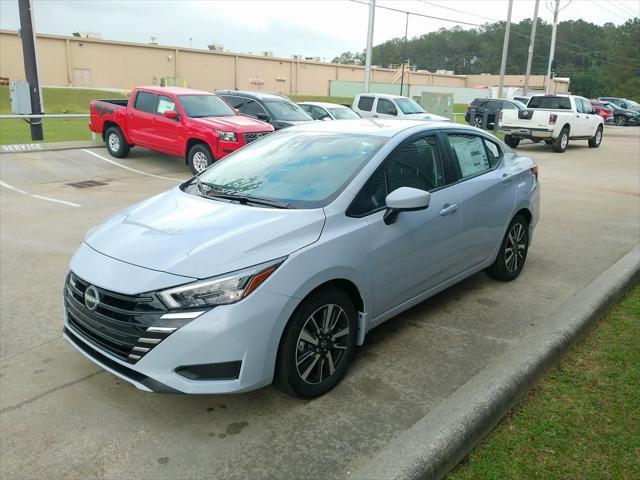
61, 416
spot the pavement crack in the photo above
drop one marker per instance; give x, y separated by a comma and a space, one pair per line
48, 392
458, 330
28, 349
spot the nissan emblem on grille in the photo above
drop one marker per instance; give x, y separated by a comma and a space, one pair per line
91, 298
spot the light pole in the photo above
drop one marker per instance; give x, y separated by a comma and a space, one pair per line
367, 63
532, 41
404, 53
28, 36
552, 49
505, 48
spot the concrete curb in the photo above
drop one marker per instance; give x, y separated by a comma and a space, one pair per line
441, 439
44, 147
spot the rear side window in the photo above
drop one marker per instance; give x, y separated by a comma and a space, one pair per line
235, 102
470, 153
365, 103
386, 107
552, 103
145, 102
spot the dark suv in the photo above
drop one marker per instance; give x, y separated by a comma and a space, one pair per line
277, 110
623, 103
490, 107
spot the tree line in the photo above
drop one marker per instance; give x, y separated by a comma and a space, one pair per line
601, 60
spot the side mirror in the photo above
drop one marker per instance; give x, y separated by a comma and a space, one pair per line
405, 199
171, 114
262, 116
624, 105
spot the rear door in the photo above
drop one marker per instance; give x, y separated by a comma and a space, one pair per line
140, 118
487, 195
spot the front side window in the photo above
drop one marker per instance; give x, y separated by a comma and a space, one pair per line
408, 106
304, 169
165, 104
386, 107
198, 106
470, 154
318, 113
416, 164
365, 104
145, 102
235, 102
287, 111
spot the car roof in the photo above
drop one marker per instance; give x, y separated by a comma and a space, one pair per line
382, 95
324, 104
371, 126
258, 95
174, 90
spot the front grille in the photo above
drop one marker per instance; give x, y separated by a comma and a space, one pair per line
250, 137
119, 323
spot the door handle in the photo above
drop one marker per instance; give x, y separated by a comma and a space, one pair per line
506, 179
448, 209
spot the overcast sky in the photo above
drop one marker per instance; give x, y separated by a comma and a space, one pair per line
323, 28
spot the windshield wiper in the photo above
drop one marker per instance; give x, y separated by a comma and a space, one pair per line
243, 199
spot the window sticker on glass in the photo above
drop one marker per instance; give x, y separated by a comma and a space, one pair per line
470, 153
165, 104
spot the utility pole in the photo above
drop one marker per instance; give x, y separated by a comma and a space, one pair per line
505, 48
28, 35
367, 63
532, 41
404, 53
552, 49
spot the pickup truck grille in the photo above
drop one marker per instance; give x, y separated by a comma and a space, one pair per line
117, 323
250, 137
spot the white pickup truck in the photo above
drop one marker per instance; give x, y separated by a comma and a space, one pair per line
556, 119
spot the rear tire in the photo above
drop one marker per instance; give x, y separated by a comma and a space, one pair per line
199, 158
596, 140
116, 144
513, 251
561, 143
620, 120
477, 121
314, 355
511, 141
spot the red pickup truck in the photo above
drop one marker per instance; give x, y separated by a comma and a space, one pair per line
191, 124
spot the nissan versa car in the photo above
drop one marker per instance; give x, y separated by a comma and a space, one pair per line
274, 263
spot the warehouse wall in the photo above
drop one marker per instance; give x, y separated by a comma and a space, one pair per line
83, 62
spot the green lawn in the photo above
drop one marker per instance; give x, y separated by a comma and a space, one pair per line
582, 421
56, 100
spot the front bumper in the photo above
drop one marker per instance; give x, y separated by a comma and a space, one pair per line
246, 334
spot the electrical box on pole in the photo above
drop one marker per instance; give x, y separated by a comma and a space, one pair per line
20, 98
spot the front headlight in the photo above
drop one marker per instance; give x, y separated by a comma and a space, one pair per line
227, 136
220, 290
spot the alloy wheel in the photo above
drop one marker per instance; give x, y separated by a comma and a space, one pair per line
200, 162
322, 344
564, 140
114, 142
515, 248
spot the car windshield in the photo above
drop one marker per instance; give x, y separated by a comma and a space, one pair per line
343, 113
408, 106
283, 110
196, 106
550, 102
519, 104
632, 103
302, 169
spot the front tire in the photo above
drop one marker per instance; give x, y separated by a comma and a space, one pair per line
513, 251
596, 140
318, 344
511, 141
199, 158
116, 144
561, 143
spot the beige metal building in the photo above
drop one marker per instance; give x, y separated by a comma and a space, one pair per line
89, 62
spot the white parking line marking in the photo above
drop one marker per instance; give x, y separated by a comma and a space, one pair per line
129, 168
39, 197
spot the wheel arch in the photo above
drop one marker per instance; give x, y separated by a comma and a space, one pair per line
194, 141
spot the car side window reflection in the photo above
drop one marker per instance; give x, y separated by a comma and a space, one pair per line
416, 164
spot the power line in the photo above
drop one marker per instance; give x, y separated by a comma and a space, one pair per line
457, 11
609, 11
623, 8
419, 14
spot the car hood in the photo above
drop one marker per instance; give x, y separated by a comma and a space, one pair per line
428, 116
235, 122
184, 234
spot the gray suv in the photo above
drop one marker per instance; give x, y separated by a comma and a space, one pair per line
278, 110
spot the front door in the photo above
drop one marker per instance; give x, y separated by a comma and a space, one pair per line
420, 250
168, 134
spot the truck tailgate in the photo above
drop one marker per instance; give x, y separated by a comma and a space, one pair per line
526, 119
